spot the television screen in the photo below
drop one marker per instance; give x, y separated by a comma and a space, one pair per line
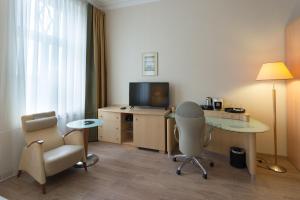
149, 94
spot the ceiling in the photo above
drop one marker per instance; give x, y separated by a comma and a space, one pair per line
114, 4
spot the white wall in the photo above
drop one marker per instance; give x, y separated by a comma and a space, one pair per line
296, 11
206, 48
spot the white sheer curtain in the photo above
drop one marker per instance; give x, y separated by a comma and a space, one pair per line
42, 67
12, 93
53, 36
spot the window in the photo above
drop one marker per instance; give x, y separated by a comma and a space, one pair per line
52, 42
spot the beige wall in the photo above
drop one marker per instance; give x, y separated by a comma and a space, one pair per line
206, 48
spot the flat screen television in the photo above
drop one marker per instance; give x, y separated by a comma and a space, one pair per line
149, 94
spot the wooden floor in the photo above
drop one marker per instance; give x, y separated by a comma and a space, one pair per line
127, 173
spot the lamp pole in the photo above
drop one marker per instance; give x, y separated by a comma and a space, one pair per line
274, 122
275, 167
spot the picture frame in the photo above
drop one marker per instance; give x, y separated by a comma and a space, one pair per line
150, 64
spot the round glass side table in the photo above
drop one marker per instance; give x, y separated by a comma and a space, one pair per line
85, 125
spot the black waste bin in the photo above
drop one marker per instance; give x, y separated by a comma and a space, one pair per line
237, 157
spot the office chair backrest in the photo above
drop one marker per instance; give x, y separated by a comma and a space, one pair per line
191, 126
42, 126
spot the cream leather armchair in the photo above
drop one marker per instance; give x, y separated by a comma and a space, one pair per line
48, 152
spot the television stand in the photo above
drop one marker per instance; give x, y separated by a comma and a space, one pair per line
140, 127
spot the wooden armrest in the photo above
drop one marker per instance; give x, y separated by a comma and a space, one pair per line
68, 133
37, 141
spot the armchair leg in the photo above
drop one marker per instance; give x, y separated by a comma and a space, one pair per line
44, 188
85, 166
19, 173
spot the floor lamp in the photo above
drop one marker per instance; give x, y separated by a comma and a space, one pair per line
274, 71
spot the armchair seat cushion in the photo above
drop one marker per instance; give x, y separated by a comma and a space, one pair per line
62, 157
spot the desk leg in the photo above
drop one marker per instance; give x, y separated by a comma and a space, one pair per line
251, 157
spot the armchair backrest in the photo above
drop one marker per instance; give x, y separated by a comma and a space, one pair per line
42, 126
190, 121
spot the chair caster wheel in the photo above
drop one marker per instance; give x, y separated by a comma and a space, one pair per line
211, 164
204, 176
174, 159
178, 172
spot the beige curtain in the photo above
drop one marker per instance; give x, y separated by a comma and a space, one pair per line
96, 78
99, 56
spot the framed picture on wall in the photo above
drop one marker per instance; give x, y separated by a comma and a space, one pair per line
150, 61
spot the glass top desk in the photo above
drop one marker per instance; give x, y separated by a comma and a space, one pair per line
227, 133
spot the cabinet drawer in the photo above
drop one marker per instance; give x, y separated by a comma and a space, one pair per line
110, 132
111, 124
109, 116
110, 127
112, 137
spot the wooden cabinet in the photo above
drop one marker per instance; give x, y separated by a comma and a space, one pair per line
110, 131
148, 127
149, 131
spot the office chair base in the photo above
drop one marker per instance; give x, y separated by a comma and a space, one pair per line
193, 160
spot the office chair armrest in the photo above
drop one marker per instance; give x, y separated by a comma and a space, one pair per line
208, 136
175, 135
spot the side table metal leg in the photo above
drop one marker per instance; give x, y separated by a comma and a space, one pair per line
91, 159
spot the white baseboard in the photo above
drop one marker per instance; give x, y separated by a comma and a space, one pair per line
7, 176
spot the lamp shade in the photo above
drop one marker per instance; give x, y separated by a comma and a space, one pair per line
274, 71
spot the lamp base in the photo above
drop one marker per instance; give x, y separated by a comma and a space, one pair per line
277, 168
